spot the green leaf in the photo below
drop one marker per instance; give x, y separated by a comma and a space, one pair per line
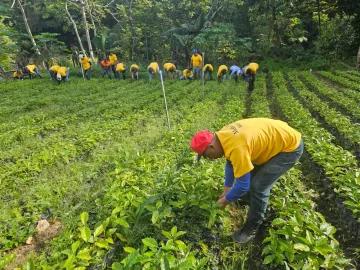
155, 216
278, 221
30, 265
129, 249
309, 237
98, 230
302, 247
85, 233
84, 217
167, 234
84, 256
115, 211
6, 259
268, 259
75, 246
173, 231
131, 259
150, 242
102, 244
122, 222
164, 263
117, 266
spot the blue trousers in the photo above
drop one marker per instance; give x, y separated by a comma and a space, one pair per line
264, 176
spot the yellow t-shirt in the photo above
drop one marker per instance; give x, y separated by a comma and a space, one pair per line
196, 60
134, 66
187, 72
62, 71
210, 67
154, 67
31, 68
112, 59
253, 67
17, 75
85, 63
221, 68
55, 68
167, 66
120, 67
254, 141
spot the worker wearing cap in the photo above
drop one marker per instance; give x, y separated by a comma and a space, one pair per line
196, 62
236, 71
63, 75
134, 71
257, 151
105, 68
250, 73
221, 75
113, 63
120, 68
53, 71
152, 69
32, 70
208, 68
86, 65
187, 74
169, 68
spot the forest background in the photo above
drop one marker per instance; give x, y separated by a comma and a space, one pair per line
314, 32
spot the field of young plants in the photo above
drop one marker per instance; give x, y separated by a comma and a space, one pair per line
122, 191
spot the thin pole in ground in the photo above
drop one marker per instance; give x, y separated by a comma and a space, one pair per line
202, 73
166, 108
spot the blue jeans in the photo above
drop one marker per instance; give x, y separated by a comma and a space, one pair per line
103, 71
118, 74
52, 74
264, 176
87, 73
196, 71
210, 74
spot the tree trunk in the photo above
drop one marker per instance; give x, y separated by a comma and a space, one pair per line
358, 60
75, 28
91, 17
87, 30
132, 31
28, 28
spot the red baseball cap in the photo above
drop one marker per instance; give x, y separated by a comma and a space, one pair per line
200, 142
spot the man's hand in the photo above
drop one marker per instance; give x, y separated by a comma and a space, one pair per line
224, 203
226, 191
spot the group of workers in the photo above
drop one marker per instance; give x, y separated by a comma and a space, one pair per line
111, 65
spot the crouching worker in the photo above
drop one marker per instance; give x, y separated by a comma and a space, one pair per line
236, 71
18, 75
152, 69
169, 68
105, 68
187, 74
221, 75
120, 68
31, 70
257, 151
250, 73
134, 72
53, 71
208, 69
63, 75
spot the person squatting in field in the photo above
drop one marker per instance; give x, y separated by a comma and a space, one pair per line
169, 68
152, 69
257, 152
236, 71
63, 74
31, 70
208, 69
105, 68
120, 68
187, 74
53, 71
249, 74
221, 75
134, 72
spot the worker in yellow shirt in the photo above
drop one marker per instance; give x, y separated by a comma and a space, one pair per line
169, 68
53, 71
187, 74
208, 68
250, 73
113, 61
18, 75
195, 63
221, 74
86, 65
152, 69
31, 70
120, 68
257, 151
134, 71
63, 74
